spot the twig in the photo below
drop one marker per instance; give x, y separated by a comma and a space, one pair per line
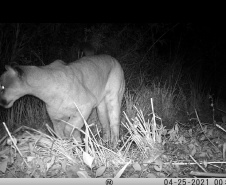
189, 163
15, 143
158, 40
198, 164
204, 132
208, 174
220, 127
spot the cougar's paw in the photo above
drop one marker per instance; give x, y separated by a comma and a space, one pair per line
106, 137
114, 140
114, 135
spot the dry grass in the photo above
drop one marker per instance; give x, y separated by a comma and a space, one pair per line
33, 145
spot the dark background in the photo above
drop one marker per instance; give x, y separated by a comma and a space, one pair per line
200, 46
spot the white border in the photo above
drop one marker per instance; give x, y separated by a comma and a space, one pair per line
110, 181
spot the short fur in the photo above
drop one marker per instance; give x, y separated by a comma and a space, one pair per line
90, 82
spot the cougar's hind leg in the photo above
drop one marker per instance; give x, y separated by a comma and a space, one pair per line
113, 102
113, 107
104, 120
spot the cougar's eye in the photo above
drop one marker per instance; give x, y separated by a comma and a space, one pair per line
2, 88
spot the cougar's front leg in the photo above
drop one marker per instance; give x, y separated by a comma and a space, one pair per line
73, 126
76, 122
59, 127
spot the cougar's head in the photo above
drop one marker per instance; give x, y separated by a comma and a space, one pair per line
11, 86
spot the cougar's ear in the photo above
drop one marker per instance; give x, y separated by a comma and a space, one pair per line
11, 70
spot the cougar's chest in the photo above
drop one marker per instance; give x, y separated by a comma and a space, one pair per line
61, 111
